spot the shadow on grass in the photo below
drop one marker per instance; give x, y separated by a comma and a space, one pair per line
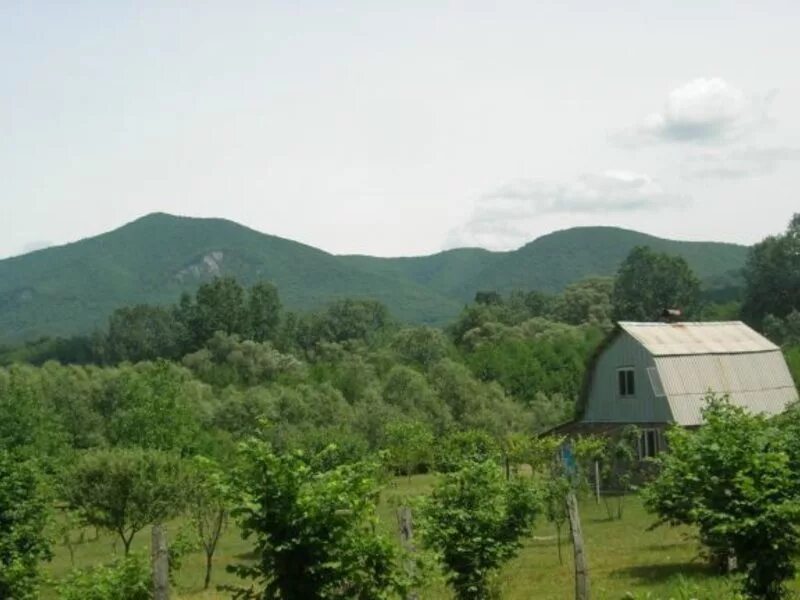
661, 573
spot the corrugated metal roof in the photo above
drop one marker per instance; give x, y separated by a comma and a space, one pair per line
675, 339
758, 381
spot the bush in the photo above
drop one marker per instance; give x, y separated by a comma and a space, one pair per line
125, 579
463, 446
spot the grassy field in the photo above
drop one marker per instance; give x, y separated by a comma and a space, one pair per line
626, 560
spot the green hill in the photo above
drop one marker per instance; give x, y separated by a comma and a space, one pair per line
73, 288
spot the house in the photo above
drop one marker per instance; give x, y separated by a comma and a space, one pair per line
656, 374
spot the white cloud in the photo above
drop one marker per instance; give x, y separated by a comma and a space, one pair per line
506, 217
739, 162
704, 110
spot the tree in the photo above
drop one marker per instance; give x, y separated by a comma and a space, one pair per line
734, 479
648, 282
409, 445
123, 491
263, 312
147, 407
218, 305
23, 518
587, 301
459, 447
208, 507
143, 332
421, 346
315, 531
772, 275
475, 520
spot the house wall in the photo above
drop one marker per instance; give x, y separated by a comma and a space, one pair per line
603, 404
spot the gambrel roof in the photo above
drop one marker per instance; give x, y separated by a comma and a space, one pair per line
685, 361
680, 339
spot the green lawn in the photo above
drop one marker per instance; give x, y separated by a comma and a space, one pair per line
626, 560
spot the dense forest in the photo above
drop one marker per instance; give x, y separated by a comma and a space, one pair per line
227, 405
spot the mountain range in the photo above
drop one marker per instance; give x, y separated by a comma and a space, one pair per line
72, 289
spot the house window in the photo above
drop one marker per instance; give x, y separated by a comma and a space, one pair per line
649, 443
626, 385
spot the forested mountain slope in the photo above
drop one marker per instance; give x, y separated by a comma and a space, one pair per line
73, 288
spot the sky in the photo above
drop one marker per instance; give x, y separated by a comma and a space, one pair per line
400, 128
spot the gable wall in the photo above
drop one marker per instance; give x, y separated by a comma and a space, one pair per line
602, 402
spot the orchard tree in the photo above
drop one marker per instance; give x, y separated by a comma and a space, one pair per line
123, 491
410, 446
647, 282
23, 518
208, 503
475, 521
735, 480
772, 276
315, 530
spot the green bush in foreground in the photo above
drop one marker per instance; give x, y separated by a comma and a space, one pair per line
315, 530
125, 579
23, 516
733, 479
475, 520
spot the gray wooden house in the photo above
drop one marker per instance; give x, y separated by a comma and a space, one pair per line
656, 374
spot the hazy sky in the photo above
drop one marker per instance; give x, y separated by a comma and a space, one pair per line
398, 128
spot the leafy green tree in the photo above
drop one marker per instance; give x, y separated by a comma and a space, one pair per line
586, 301
459, 447
208, 503
410, 446
29, 424
218, 305
772, 275
315, 531
143, 332
421, 346
263, 312
24, 514
407, 390
648, 282
148, 407
123, 491
475, 520
227, 360
734, 480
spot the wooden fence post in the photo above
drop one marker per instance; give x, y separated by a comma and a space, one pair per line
597, 481
160, 558
406, 526
581, 566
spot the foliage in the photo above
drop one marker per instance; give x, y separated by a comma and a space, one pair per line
125, 579
772, 275
123, 491
458, 447
314, 530
409, 446
474, 520
208, 506
23, 517
733, 479
649, 282
148, 407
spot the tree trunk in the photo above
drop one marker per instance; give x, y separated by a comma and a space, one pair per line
581, 567
160, 559
209, 558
